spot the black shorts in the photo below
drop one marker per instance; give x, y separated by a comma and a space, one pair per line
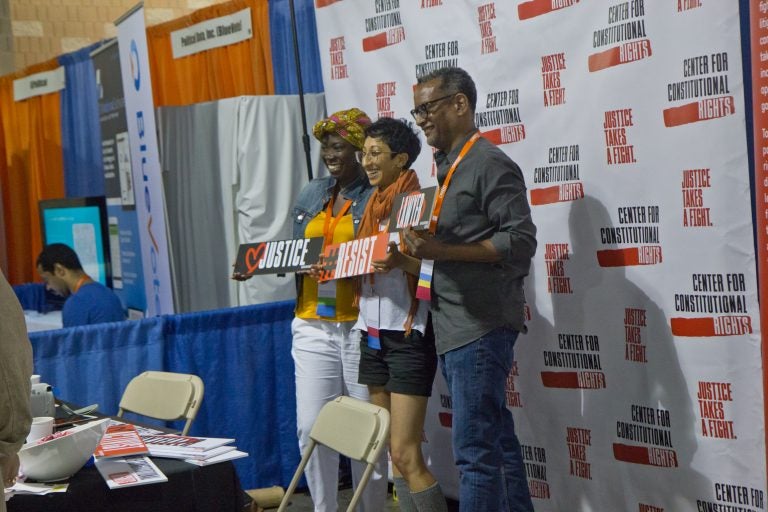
404, 364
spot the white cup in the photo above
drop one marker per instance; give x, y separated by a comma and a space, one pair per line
41, 426
34, 379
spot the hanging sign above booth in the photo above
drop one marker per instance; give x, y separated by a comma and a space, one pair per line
210, 34
39, 84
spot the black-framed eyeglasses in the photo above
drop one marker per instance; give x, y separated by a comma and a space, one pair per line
373, 155
422, 111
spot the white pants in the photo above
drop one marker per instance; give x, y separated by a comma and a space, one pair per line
327, 359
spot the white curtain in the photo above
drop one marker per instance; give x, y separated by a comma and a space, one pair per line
232, 169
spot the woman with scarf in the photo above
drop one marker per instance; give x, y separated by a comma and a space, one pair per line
326, 351
398, 361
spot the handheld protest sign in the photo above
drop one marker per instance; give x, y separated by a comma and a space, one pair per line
353, 258
278, 256
412, 209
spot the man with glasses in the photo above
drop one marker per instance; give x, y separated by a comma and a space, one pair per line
482, 242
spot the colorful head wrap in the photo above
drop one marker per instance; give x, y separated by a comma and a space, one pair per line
348, 124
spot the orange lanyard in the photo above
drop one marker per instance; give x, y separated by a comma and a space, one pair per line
329, 227
444, 188
79, 284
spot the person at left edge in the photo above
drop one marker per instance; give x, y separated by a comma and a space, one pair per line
15, 370
88, 301
326, 350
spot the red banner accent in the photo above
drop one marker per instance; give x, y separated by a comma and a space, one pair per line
533, 8
624, 54
729, 325
618, 257
631, 256
546, 195
376, 42
569, 380
602, 60
324, 3
683, 114
446, 419
650, 456
505, 134
557, 194
628, 453
695, 112
693, 326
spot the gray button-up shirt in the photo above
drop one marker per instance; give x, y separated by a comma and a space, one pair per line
486, 199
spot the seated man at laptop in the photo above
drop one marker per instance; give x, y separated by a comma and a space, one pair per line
88, 301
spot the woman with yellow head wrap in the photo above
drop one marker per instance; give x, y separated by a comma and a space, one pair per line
326, 351
349, 124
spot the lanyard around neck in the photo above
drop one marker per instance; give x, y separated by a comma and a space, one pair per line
79, 283
444, 188
330, 227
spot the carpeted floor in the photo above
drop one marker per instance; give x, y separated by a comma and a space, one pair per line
303, 503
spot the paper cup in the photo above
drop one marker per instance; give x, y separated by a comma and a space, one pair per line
41, 426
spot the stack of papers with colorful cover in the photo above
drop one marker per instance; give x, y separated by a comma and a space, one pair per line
200, 451
120, 440
129, 471
121, 458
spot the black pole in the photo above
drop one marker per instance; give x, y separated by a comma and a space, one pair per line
305, 135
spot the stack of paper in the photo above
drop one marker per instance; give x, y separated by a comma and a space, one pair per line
200, 451
121, 458
129, 471
120, 440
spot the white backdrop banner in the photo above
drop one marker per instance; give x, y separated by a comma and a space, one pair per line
142, 135
639, 383
258, 148
219, 161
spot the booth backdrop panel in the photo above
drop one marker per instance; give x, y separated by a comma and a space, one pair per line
283, 57
31, 170
269, 171
232, 170
242, 354
225, 72
119, 188
80, 130
200, 263
639, 383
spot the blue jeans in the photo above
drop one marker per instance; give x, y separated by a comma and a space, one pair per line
485, 447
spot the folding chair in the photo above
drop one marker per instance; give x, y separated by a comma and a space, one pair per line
351, 427
164, 396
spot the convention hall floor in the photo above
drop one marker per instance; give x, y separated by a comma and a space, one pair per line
303, 503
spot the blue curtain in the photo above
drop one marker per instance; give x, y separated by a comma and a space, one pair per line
80, 129
242, 354
93, 363
32, 297
281, 36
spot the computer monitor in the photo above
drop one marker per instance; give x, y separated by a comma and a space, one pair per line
81, 223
